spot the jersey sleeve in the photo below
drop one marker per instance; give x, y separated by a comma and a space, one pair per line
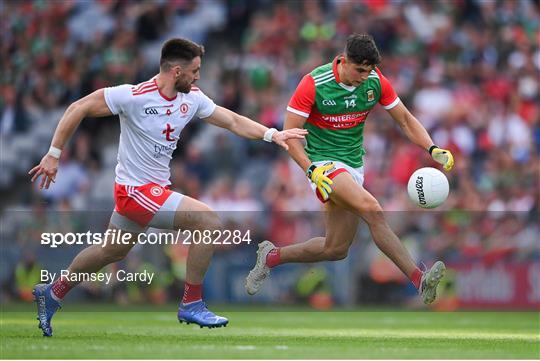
389, 98
303, 98
118, 98
206, 106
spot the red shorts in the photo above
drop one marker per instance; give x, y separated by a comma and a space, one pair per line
140, 203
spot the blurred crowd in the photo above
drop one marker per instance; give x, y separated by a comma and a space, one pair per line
468, 69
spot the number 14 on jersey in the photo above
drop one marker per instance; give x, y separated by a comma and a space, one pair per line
350, 103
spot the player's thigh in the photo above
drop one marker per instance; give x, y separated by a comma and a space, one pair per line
341, 227
352, 196
193, 214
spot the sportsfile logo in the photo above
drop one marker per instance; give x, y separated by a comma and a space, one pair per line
119, 237
420, 190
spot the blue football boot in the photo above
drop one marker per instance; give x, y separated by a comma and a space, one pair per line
197, 312
46, 307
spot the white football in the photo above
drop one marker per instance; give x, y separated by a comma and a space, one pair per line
428, 187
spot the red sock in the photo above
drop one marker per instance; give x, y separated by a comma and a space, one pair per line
60, 288
273, 258
192, 293
416, 277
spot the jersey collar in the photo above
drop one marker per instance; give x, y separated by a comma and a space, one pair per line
163, 95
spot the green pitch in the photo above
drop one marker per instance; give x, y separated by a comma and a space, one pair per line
120, 332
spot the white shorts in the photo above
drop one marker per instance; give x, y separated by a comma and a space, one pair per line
339, 167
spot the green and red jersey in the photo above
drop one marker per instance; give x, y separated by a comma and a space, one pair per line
336, 112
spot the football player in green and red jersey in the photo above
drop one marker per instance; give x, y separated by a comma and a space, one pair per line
332, 103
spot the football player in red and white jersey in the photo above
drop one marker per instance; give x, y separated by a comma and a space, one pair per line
152, 115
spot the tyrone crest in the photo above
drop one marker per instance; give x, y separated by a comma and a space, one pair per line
156, 191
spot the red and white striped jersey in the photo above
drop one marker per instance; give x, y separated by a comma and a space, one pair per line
150, 126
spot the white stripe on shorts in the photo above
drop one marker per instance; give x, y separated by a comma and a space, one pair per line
140, 200
146, 198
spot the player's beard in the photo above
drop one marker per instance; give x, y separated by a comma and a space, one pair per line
182, 87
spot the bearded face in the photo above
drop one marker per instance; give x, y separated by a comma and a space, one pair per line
187, 75
182, 85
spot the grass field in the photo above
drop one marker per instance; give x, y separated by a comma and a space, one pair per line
261, 334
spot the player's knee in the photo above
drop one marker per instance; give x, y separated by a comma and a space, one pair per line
213, 222
372, 212
371, 206
337, 253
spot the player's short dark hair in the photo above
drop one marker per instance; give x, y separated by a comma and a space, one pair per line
361, 49
179, 50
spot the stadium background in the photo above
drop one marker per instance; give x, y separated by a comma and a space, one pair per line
469, 70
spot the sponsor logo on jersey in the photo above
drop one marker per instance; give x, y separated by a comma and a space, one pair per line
168, 132
164, 150
151, 111
370, 95
184, 108
329, 102
156, 191
340, 121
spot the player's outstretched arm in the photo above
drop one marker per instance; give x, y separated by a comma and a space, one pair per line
415, 131
247, 128
92, 105
296, 147
296, 151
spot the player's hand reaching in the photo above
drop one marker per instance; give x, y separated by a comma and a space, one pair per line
318, 177
280, 138
47, 168
442, 156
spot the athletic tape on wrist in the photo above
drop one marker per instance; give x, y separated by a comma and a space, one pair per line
54, 152
268, 135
